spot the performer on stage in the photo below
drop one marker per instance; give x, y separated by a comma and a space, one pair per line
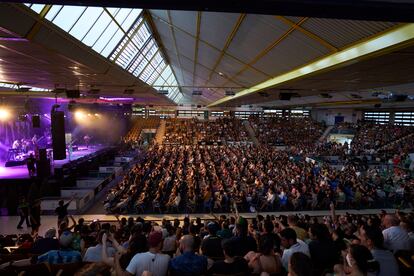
16, 145
87, 139
34, 140
31, 161
24, 145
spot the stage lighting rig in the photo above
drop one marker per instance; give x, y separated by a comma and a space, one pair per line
5, 114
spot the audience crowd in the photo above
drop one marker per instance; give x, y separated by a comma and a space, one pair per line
289, 131
371, 137
194, 131
294, 245
133, 136
205, 178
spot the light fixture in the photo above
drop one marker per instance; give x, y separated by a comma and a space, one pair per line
4, 114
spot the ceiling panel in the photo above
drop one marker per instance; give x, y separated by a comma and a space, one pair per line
255, 34
207, 56
186, 20
229, 66
294, 19
213, 21
187, 64
185, 44
161, 14
202, 72
295, 50
250, 77
344, 32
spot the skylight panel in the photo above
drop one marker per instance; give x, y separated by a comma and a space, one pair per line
67, 17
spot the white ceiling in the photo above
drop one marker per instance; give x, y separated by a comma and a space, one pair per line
226, 51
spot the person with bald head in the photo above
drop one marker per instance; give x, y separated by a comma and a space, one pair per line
395, 237
188, 263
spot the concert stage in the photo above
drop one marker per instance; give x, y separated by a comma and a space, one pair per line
21, 172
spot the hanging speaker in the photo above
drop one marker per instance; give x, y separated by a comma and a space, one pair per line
58, 135
36, 121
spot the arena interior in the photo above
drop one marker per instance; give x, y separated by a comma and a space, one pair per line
266, 137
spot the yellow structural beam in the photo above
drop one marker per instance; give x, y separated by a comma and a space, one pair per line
36, 27
385, 42
196, 44
227, 44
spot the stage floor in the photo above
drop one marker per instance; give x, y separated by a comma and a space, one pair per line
20, 172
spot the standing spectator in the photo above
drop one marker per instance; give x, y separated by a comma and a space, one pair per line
94, 253
152, 261
322, 249
64, 255
231, 265
300, 232
35, 215
266, 260
395, 237
211, 245
372, 238
49, 242
62, 211
300, 265
23, 211
30, 162
291, 244
188, 263
169, 245
245, 243
358, 261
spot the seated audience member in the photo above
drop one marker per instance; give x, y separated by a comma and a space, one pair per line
152, 261
211, 244
49, 242
358, 261
300, 265
372, 238
188, 263
266, 260
291, 244
231, 265
395, 237
323, 252
64, 255
94, 253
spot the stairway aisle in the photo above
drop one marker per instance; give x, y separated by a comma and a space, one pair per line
251, 133
325, 134
159, 136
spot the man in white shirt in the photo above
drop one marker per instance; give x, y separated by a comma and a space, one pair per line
291, 244
395, 237
373, 239
152, 261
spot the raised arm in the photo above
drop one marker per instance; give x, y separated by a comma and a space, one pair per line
107, 260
